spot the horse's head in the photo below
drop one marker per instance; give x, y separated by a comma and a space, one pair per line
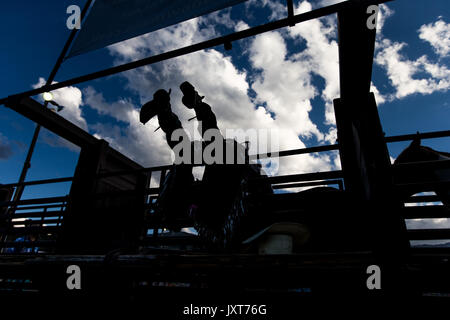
416, 152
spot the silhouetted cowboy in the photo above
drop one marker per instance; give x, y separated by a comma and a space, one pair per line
219, 204
192, 100
160, 106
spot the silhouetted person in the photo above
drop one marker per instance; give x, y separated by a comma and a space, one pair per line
217, 209
160, 106
192, 100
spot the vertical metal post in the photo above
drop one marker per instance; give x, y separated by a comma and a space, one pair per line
27, 163
290, 7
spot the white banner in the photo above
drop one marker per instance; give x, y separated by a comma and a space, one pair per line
111, 21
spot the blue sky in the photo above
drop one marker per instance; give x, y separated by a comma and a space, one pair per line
283, 80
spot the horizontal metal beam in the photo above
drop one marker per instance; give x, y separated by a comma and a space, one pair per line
40, 222
424, 135
300, 177
314, 14
42, 207
425, 212
412, 167
52, 121
418, 199
293, 152
34, 201
39, 214
308, 184
428, 135
38, 182
421, 186
284, 153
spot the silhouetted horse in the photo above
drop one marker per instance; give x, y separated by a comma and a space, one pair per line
415, 152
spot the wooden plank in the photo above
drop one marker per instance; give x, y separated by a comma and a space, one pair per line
425, 212
428, 234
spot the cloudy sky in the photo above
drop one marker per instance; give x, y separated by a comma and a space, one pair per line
283, 80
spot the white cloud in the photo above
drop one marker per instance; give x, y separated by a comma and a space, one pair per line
241, 25
404, 73
321, 54
379, 98
383, 14
392, 159
437, 34
413, 76
71, 99
284, 84
331, 136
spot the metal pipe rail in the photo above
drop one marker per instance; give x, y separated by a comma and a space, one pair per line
35, 201
325, 175
424, 135
391, 139
37, 182
309, 184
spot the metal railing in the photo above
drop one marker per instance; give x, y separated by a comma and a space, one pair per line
32, 225
427, 206
47, 214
